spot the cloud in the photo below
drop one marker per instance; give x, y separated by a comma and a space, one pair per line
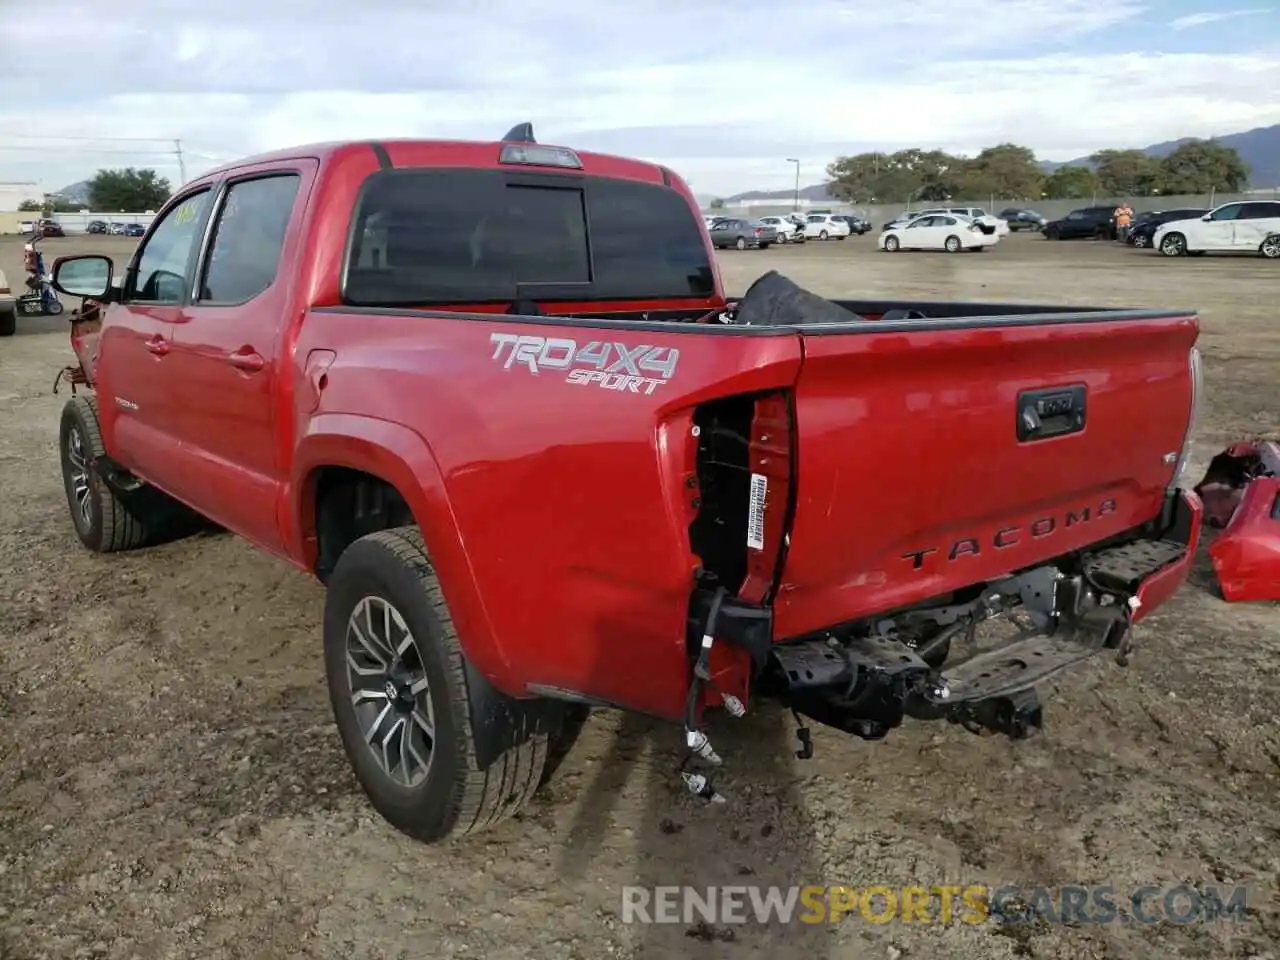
1200, 19
723, 94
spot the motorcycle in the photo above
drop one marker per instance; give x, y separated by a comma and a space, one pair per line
41, 298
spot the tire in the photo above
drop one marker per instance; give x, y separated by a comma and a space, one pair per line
449, 796
54, 309
953, 244
102, 521
1270, 247
1173, 245
741, 243
1139, 241
891, 244
822, 235
8, 321
764, 245
1052, 235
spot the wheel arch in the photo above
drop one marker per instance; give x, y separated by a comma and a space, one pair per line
339, 454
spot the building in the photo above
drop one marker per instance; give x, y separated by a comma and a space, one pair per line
15, 193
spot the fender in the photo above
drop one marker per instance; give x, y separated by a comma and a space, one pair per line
402, 458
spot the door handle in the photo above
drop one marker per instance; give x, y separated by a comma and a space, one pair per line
247, 359
158, 345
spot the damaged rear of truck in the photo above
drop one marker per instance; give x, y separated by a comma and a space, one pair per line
496, 400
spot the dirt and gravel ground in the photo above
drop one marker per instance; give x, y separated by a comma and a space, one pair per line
171, 785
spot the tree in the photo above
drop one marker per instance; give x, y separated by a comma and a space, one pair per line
1129, 173
906, 175
128, 190
1070, 183
52, 203
1008, 171
856, 178
717, 204
1202, 166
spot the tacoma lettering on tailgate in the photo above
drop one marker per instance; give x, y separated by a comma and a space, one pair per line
1005, 537
606, 364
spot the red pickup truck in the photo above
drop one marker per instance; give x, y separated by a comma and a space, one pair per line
493, 395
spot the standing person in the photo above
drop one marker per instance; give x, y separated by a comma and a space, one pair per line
1124, 216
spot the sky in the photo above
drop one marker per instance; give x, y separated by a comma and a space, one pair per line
723, 92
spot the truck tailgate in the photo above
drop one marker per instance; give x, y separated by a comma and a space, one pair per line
914, 477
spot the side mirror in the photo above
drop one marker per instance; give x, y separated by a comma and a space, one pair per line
88, 275
1207, 217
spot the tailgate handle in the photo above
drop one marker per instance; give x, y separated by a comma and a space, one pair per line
1053, 412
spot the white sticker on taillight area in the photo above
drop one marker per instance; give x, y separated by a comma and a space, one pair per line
755, 511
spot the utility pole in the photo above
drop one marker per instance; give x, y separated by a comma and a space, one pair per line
795, 206
182, 164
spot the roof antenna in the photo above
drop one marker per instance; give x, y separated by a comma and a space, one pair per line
520, 133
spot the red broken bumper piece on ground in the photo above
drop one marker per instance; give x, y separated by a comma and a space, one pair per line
1241, 494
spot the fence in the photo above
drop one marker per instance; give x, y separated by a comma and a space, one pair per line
70, 222
879, 214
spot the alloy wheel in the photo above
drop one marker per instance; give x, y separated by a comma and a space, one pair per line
81, 487
389, 691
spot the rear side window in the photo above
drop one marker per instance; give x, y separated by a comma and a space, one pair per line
441, 236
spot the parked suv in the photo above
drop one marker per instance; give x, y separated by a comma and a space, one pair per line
1096, 223
1240, 227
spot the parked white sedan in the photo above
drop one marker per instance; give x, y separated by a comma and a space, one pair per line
937, 231
788, 230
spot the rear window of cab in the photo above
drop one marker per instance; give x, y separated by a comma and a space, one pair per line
439, 236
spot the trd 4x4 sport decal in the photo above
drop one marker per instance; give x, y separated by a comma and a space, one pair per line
608, 365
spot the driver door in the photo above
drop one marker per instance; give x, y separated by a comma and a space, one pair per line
136, 382
1218, 232
922, 234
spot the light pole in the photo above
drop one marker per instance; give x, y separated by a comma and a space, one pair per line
796, 200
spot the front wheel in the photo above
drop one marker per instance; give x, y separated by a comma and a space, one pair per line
741, 244
399, 688
102, 520
1173, 245
891, 244
1139, 241
1052, 235
822, 235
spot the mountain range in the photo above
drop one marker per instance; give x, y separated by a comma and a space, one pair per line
1259, 148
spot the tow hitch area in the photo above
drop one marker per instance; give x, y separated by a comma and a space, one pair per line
935, 662
1241, 494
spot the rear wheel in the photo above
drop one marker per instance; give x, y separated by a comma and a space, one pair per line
1173, 245
1271, 247
741, 244
952, 244
399, 690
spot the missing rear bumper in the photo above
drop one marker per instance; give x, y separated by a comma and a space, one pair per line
930, 663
